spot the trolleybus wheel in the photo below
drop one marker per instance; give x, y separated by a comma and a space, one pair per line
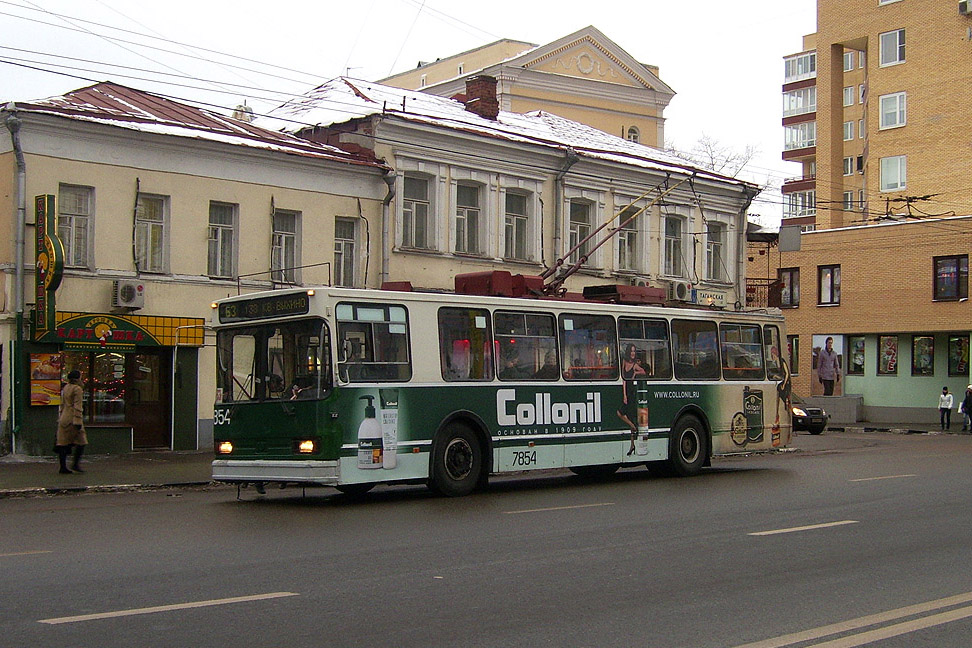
354, 490
595, 472
457, 461
688, 446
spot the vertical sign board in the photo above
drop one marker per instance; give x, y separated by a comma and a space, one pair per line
49, 255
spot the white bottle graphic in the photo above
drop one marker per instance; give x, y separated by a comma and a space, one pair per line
369, 437
389, 427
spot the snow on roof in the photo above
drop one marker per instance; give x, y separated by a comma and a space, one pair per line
115, 105
343, 99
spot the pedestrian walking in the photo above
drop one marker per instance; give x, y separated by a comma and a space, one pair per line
966, 409
70, 424
828, 367
945, 408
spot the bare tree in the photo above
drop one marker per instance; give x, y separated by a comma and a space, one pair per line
711, 154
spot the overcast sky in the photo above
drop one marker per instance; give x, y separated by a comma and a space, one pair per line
724, 60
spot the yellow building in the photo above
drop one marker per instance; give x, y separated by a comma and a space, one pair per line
159, 208
585, 77
873, 112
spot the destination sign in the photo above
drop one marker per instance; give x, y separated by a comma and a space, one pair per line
264, 307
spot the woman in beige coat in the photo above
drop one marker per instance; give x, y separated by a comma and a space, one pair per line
70, 423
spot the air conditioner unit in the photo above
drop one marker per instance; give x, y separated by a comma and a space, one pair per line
128, 293
679, 290
965, 7
638, 281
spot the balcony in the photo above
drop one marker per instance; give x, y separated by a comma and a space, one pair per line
762, 293
799, 183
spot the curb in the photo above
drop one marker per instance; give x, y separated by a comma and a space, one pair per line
98, 488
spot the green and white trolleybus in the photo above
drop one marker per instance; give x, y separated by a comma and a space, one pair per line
350, 388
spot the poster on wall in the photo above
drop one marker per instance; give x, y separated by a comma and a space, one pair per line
887, 355
828, 362
958, 355
922, 355
45, 378
855, 355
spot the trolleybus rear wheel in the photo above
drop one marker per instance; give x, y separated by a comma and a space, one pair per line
688, 446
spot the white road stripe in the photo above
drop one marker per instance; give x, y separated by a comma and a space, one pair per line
24, 553
864, 479
166, 608
809, 527
861, 622
866, 638
558, 508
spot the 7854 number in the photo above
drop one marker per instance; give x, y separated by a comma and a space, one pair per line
524, 457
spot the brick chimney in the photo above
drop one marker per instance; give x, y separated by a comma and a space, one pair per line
481, 96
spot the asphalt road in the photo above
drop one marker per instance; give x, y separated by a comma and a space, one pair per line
850, 540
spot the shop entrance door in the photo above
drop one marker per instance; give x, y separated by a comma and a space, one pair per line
148, 392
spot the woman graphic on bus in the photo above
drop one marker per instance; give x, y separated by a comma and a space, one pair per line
631, 370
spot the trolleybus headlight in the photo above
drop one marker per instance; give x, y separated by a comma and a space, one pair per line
306, 446
225, 447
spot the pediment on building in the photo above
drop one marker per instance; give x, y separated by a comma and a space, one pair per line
589, 54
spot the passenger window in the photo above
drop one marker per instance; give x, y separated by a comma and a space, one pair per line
649, 338
589, 346
742, 351
373, 343
696, 350
465, 344
771, 351
526, 346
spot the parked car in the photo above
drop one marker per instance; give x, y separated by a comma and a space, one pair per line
808, 417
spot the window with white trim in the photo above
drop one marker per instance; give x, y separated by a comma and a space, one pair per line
627, 238
861, 131
862, 92
75, 213
848, 131
894, 172
284, 248
345, 234
579, 228
848, 96
893, 110
150, 236
516, 227
222, 240
675, 227
848, 203
800, 102
800, 67
633, 134
848, 61
715, 252
892, 47
417, 231
799, 136
468, 221
848, 166
800, 204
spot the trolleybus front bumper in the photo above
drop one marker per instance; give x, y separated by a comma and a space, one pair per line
238, 470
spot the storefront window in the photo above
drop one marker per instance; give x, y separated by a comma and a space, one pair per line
103, 377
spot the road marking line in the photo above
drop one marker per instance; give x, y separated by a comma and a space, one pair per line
558, 508
809, 527
898, 629
864, 479
860, 622
24, 553
166, 608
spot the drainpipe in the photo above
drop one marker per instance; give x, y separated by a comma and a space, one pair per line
570, 160
13, 125
389, 178
748, 195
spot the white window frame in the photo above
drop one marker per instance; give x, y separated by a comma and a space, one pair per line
862, 91
892, 53
860, 199
411, 213
469, 220
344, 253
900, 110
800, 204
896, 178
218, 235
848, 130
518, 229
798, 136
848, 201
861, 58
861, 130
629, 256
153, 232
674, 263
285, 248
75, 226
849, 166
799, 67
848, 61
800, 101
578, 230
848, 96
716, 250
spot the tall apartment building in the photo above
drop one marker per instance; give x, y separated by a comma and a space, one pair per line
875, 110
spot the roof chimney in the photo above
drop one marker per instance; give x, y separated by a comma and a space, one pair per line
243, 113
481, 96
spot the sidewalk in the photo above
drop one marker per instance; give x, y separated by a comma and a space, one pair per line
23, 475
